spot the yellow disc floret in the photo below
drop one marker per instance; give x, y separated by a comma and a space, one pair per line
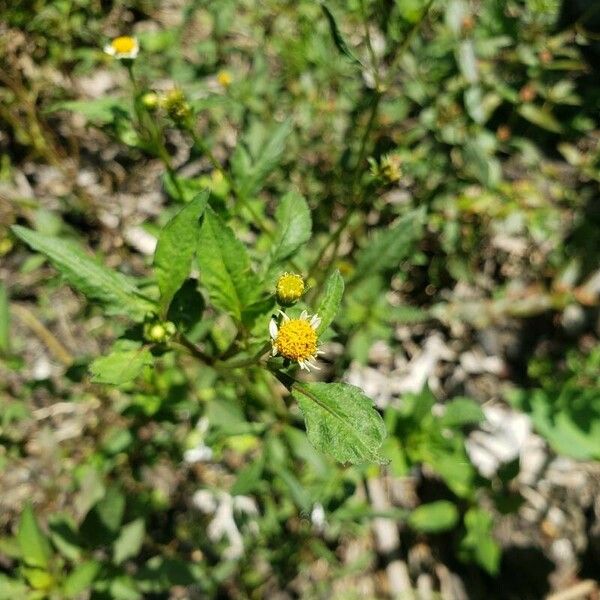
124, 44
296, 340
289, 288
123, 47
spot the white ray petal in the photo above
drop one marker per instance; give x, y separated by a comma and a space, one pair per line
273, 330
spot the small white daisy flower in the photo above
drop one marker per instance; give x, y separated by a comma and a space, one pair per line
123, 47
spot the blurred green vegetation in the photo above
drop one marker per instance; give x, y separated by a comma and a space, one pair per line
449, 155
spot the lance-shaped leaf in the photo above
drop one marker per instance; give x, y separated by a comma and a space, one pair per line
294, 226
331, 300
225, 266
341, 421
117, 292
175, 249
391, 246
130, 541
338, 39
34, 546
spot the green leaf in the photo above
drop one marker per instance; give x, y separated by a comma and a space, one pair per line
225, 266
434, 517
249, 175
410, 10
130, 541
123, 364
461, 411
11, 589
89, 276
541, 117
249, 478
338, 39
390, 246
81, 578
341, 421
294, 226
478, 543
4, 319
64, 536
39, 579
176, 247
99, 111
35, 548
91, 489
331, 300
110, 509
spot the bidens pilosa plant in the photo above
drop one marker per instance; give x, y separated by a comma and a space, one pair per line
260, 323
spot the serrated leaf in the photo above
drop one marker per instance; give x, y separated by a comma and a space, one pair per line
331, 300
130, 541
225, 267
123, 364
34, 546
80, 579
541, 117
338, 38
390, 246
434, 517
294, 226
116, 291
176, 247
341, 421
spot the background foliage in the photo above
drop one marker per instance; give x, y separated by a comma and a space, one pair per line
431, 169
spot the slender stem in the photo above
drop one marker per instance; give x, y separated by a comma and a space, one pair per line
379, 92
335, 237
373, 57
247, 362
194, 350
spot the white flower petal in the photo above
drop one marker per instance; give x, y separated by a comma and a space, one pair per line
109, 49
315, 321
304, 315
273, 330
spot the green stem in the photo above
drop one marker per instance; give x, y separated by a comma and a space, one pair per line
379, 92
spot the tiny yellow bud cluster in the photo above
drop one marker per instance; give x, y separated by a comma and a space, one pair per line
150, 100
177, 107
388, 169
158, 332
289, 289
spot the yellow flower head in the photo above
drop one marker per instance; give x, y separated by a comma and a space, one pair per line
289, 288
224, 78
123, 47
296, 339
176, 106
390, 167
